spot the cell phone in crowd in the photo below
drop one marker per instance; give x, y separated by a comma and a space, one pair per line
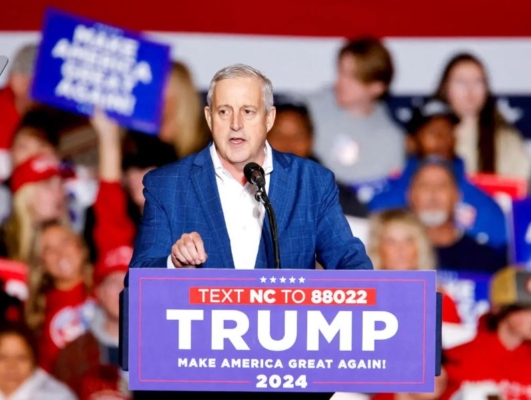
3, 63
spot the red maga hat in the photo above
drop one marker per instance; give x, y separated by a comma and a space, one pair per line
35, 169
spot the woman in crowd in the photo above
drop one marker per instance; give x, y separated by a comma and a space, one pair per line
89, 364
37, 133
38, 197
398, 242
20, 377
484, 138
59, 303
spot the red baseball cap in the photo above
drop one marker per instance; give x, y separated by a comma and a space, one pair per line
35, 169
115, 260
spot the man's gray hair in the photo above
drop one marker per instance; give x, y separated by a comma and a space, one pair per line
243, 71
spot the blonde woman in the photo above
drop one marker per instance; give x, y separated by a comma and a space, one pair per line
60, 303
183, 123
397, 241
38, 197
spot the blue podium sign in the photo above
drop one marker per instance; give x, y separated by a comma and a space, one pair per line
282, 330
84, 64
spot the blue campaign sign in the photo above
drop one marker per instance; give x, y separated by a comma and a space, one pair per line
469, 290
521, 232
83, 64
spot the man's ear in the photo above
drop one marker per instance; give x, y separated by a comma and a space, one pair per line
270, 119
208, 117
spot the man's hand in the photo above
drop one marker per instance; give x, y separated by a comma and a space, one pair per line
188, 251
106, 128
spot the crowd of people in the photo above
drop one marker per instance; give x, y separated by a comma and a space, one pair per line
71, 200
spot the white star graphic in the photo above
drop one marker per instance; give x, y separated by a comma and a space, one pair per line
273, 279
292, 280
282, 280
263, 279
301, 280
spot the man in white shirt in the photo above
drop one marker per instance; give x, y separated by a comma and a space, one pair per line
201, 212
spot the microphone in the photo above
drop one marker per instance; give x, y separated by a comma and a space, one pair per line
255, 175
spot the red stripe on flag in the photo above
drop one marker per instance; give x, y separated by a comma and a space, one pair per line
412, 18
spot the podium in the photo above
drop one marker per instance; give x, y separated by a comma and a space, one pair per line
269, 330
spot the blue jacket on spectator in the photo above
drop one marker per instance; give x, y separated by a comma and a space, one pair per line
477, 214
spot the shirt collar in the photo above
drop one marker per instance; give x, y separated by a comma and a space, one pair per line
221, 172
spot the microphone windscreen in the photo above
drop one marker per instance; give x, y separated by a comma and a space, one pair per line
248, 171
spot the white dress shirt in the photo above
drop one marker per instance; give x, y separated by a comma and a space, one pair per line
244, 215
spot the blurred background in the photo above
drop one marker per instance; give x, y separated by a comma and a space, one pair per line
421, 109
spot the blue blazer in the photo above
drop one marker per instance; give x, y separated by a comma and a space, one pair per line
183, 197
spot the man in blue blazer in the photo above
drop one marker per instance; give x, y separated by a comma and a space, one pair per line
200, 212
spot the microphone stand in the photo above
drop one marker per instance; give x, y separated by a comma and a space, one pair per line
261, 196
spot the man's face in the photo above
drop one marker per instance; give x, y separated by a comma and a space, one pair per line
433, 195
239, 122
290, 134
519, 323
436, 138
349, 89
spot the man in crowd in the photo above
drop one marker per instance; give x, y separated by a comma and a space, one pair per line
293, 133
433, 196
431, 133
354, 134
497, 362
201, 211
